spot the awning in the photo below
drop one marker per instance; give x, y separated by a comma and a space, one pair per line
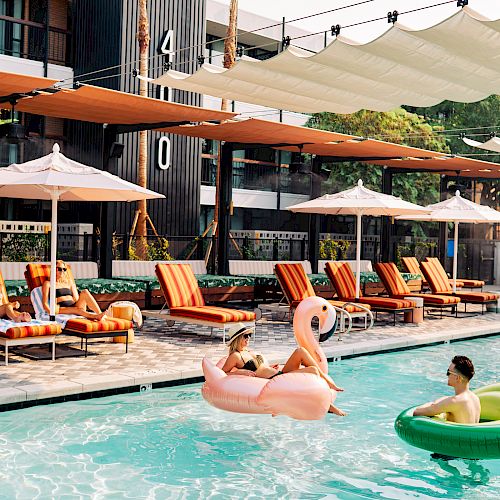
340, 146
457, 59
491, 145
97, 104
100, 105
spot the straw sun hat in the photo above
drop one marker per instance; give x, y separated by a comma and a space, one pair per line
237, 330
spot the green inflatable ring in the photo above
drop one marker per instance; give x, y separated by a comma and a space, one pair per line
480, 441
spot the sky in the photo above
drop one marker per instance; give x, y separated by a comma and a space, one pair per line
292, 9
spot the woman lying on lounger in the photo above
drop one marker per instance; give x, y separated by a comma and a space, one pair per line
68, 300
10, 311
242, 359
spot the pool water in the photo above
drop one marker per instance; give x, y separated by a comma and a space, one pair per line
169, 443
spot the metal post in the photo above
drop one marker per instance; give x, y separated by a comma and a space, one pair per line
225, 200
314, 219
443, 226
386, 221
47, 36
107, 210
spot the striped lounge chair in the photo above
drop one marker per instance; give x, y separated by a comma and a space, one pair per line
439, 283
15, 334
461, 282
397, 288
296, 287
84, 329
412, 266
185, 302
344, 281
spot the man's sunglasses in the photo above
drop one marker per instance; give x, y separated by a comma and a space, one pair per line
61, 269
448, 373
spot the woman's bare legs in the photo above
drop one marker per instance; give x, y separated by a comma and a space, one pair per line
87, 301
301, 357
81, 312
9, 310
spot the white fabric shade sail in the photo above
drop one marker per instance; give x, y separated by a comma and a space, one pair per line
358, 201
492, 145
457, 210
57, 178
457, 59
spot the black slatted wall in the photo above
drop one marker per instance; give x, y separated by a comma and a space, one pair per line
105, 35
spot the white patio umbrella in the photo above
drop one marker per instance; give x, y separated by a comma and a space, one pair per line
57, 178
457, 210
358, 201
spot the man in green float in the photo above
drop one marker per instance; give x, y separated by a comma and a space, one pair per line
464, 407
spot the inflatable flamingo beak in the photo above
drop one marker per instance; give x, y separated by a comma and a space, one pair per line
327, 322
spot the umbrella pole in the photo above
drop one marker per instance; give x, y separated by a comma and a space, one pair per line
54, 196
358, 252
455, 256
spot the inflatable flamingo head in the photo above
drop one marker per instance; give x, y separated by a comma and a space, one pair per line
316, 307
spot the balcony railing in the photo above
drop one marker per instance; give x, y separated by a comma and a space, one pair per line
28, 40
257, 175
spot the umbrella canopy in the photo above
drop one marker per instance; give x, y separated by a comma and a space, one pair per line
358, 201
57, 178
457, 210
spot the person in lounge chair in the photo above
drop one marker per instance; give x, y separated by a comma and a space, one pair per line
464, 407
10, 311
244, 360
69, 301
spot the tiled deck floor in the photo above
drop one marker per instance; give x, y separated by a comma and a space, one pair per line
162, 354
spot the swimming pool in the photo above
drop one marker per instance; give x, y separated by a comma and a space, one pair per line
169, 443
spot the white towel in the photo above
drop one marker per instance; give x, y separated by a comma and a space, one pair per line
137, 317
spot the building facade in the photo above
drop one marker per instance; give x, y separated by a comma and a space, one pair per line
75, 40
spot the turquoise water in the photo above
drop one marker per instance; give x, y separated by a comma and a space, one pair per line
169, 443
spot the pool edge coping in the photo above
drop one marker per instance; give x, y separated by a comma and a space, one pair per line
333, 354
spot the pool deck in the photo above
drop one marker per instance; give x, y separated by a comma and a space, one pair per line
172, 355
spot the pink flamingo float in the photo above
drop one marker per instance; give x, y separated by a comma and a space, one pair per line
303, 396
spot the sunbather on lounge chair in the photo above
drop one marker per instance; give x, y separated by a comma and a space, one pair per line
69, 301
9, 309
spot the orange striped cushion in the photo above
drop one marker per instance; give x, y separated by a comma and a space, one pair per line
436, 276
392, 279
478, 297
19, 332
37, 274
437, 299
350, 308
212, 313
387, 302
4, 298
460, 281
411, 264
90, 326
294, 282
179, 285
471, 283
343, 279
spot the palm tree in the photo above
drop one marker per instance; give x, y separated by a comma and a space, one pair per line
229, 60
143, 39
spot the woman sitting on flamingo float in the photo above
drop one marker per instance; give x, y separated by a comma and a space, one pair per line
245, 383
299, 361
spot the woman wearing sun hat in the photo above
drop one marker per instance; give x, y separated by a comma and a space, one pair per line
240, 358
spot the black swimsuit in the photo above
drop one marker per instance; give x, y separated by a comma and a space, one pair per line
64, 292
249, 365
